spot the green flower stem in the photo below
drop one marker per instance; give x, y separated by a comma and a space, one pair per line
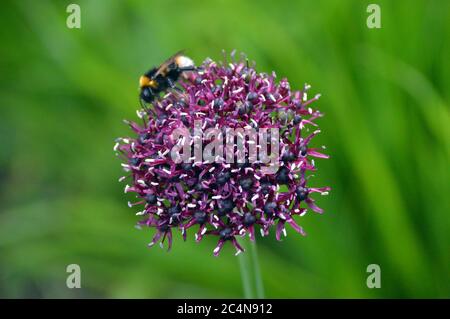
256, 270
250, 271
244, 264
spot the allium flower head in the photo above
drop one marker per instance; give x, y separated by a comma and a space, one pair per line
218, 198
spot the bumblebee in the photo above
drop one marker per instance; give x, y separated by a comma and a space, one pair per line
159, 79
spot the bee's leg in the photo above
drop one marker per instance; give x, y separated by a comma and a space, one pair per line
173, 86
143, 104
171, 83
188, 68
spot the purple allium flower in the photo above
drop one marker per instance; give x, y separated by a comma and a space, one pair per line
215, 198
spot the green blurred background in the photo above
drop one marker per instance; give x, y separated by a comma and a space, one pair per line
385, 93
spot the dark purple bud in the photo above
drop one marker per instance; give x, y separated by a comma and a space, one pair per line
174, 210
223, 178
303, 150
151, 199
269, 208
283, 175
200, 217
288, 156
246, 183
226, 206
226, 233
249, 219
134, 161
302, 193
252, 96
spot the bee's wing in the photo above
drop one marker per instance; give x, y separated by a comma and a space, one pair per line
166, 63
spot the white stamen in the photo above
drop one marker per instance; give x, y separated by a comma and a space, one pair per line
141, 182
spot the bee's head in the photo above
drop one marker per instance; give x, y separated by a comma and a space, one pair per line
146, 94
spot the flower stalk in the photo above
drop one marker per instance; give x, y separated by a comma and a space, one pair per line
252, 282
